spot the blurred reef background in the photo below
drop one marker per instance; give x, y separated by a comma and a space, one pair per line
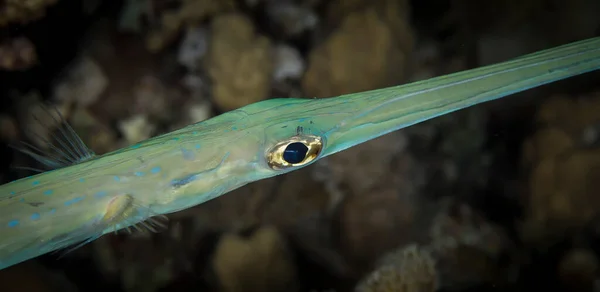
499, 197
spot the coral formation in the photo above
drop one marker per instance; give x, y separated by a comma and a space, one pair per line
22, 11
412, 269
402, 212
381, 43
564, 162
239, 62
259, 263
169, 22
17, 54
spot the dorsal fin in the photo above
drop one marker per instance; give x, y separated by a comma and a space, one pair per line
61, 147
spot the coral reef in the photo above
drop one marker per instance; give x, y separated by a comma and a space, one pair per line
382, 46
23, 11
259, 263
239, 62
168, 23
471, 200
461, 251
17, 54
562, 159
411, 270
578, 269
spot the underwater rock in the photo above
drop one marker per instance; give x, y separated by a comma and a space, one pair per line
369, 50
373, 222
546, 143
199, 111
32, 277
457, 223
17, 54
189, 13
368, 165
153, 97
195, 111
410, 269
392, 10
515, 17
563, 167
578, 270
261, 262
193, 47
140, 262
288, 64
239, 62
132, 13
9, 131
290, 18
37, 122
467, 247
282, 201
23, 11
136, 78
137, 128
93, 133
462, 249
373, 189
298, 196
83, 83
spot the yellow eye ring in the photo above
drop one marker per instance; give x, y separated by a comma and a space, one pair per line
295, 151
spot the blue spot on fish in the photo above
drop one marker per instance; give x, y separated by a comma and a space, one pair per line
100, 194
117, 178
187, 155
52, 211
35, 216
21, 200
81, 180
155, 169
176, 183
73, 201
195, 133
197, 146
13, 223
302, 120
48, 192
35, 182
136, 146
175, 139
138, 173
234, 128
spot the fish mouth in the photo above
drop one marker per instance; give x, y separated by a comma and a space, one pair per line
382, 111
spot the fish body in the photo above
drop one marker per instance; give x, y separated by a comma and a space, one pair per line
131, 187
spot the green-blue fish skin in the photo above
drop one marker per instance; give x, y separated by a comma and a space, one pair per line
56, 209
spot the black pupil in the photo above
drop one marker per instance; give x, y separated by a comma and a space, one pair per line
295, 153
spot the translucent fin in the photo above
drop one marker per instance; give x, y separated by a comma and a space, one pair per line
61, 146
122, 212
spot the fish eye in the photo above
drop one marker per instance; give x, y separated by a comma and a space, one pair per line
295, 151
